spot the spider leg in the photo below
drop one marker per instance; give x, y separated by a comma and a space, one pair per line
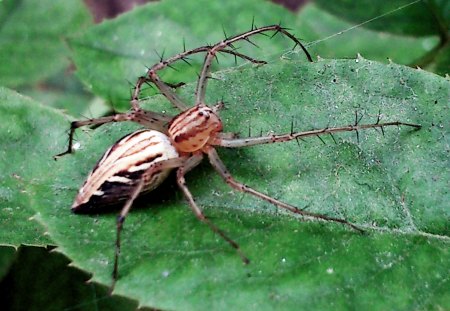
149, 119
243, 56
227, 136
146, 176
223, 172
252, 141
189, 164
175, 85
228, 42
165, 88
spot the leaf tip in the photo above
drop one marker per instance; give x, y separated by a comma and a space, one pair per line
56, 250
359, 58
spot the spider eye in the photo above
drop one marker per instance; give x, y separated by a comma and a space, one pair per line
204, 114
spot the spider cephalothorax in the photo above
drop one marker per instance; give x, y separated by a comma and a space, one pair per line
141, 160
192, 129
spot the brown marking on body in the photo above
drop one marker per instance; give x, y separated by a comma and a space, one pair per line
193, 128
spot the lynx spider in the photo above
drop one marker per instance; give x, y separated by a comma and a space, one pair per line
181, 142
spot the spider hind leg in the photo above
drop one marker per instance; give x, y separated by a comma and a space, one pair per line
190, 164
223, 172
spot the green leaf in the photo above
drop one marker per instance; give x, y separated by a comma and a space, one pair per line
116, 51
395, 186
416, 33
441, 62
403, 17
31, 38
335, 37
29, 136
64, 91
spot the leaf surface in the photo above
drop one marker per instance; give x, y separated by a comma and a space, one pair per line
114, 52
395, 186
28, 134
31, 38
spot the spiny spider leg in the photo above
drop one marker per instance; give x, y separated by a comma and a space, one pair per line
146, 176
175, 85
228, 42
152, 76
190, 164
250, 59
163, 88
252, 141
223, 172
149, 119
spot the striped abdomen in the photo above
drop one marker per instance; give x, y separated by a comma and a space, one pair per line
121, 167
191, 129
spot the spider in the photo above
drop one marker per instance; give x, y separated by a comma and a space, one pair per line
140, 161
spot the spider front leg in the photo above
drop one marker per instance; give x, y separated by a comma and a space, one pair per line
252, 141
223, 172
164, 87
151, 120
188, 165
165, 90
228, 42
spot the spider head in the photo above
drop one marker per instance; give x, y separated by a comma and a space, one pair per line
191, 129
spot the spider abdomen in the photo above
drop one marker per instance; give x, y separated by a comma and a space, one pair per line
119, 170
191, 129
